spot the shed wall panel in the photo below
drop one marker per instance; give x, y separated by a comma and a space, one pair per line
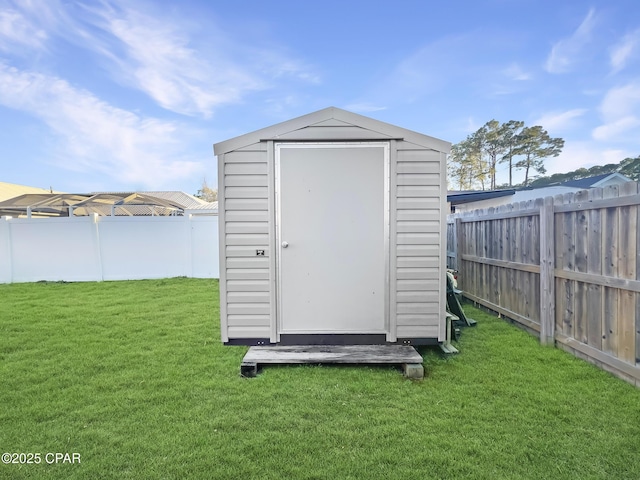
413, 331
418, 274
416, 167
260, 321
418, 226
418, 262
248, 262
248, 309
415, 179
246, 215
417, 238
419, 191
417, 203
247, 274
247, 285
259, 204
258, 239
246, 180
419, 301
247, 227
248, 332
252, 168
246, 251
249, 156
246, 192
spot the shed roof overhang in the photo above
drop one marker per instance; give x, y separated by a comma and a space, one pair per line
331, 116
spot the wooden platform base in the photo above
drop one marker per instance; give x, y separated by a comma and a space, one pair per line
404, 355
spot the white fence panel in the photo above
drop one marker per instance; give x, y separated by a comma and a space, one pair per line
205, 260
108, 248
133, 250
53, 249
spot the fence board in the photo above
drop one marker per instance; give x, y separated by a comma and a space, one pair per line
546, 300
581, 288
594, 266
627, 270
610, 269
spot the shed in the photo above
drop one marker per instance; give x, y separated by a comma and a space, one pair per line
332, 231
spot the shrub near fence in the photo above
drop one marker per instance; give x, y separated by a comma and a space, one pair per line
566, 268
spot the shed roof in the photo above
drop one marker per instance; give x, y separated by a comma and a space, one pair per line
331, 117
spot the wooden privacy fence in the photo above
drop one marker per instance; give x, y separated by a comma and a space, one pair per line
565, 267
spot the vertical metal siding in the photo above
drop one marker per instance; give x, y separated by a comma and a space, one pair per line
245, 227
419, 222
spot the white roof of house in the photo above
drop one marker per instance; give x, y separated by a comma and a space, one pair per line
113, 203
186, 201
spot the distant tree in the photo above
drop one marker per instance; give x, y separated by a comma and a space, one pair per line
206, 193
630, 167
491, 139
535, 145
473, 161
465, 164
510, 132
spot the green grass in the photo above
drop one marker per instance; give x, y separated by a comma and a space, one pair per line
132, 375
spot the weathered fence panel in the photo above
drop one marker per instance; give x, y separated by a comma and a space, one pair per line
566, 268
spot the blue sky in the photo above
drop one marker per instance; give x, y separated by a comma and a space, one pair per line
130, 95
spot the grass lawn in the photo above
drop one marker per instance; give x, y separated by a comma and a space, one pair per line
133, 377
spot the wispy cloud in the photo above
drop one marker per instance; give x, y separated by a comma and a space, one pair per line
564, 54
620, 110
515, 72
622, 52
95, 136
557, 121
415, 76
18, 30
157, 57
169, 58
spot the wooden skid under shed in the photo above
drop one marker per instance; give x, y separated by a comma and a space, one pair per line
404, 355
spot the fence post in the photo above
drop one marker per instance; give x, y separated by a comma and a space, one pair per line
547, 277
458, 245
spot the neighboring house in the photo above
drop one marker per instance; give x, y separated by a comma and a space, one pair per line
106, 204
11, 190
468, 201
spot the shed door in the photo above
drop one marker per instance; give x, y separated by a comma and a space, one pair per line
332, 231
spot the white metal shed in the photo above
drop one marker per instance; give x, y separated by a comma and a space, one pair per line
332, 231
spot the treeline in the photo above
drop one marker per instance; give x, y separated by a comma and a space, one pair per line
630, 167
473, 162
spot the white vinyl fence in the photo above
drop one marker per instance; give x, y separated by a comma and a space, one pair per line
93, 248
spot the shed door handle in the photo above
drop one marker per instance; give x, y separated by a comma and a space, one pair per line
285, 244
